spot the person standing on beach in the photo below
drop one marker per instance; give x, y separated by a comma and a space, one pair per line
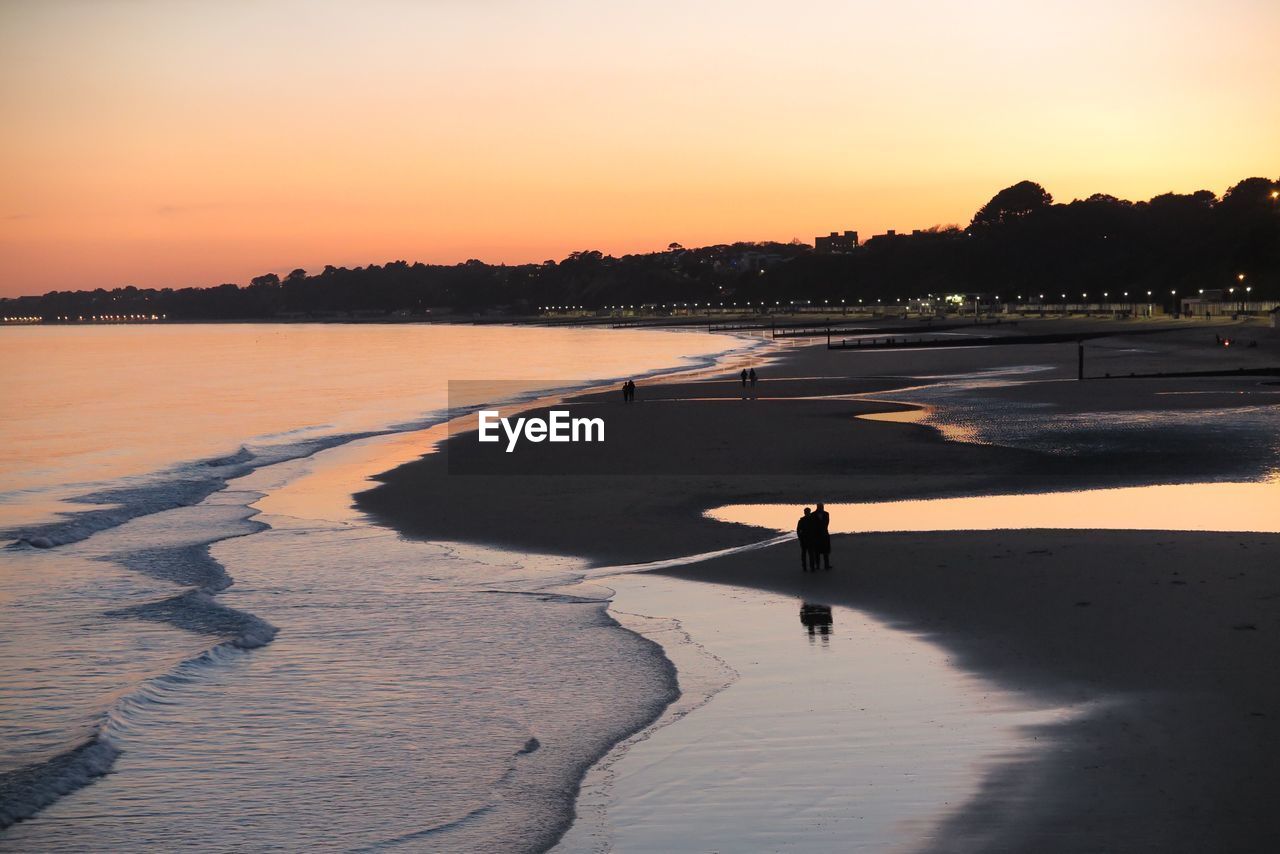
821, 537
804, 533
626, 392
752, 376
744, 377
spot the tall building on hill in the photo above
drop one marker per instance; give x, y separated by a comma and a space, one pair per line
836, 242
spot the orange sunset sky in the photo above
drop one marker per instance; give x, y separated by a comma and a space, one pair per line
181, 143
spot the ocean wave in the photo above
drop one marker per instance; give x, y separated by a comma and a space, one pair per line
27, 790
183, 485
125, 503
198, 612
419, 835
241, 456
189, 566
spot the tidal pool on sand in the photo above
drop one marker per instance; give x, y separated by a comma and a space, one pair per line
1177, 507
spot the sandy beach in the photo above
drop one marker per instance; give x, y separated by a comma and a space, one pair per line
686, 447
1167, 637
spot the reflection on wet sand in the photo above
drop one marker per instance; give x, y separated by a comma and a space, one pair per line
818, 620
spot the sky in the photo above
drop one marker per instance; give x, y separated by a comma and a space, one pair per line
175, 143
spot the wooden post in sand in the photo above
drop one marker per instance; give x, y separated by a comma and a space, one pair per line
1080, 360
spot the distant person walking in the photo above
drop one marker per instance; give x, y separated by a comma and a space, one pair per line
628, 391
804, 533
821, 537
752, 376
744, 377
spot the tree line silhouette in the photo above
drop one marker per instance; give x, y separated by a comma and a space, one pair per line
1021, 243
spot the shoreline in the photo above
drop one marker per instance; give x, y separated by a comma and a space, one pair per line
190, 611
679, 516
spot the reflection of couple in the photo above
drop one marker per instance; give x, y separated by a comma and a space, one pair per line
813, 531
817, 619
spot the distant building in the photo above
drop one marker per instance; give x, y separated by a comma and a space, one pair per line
836, 242
758, 262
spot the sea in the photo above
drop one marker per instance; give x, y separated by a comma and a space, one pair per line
203, 646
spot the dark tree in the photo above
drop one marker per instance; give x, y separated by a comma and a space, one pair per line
1022, 198
1252, 194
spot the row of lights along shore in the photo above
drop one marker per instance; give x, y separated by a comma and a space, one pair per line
96, 318
1106, 295
925, 299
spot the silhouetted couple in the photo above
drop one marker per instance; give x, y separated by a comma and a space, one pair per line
749, 377
628, 391
813, 531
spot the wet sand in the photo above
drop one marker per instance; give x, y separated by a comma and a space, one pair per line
1170, 638
1173, 635
800, 728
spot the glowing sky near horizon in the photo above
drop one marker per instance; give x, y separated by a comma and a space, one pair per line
174, 143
